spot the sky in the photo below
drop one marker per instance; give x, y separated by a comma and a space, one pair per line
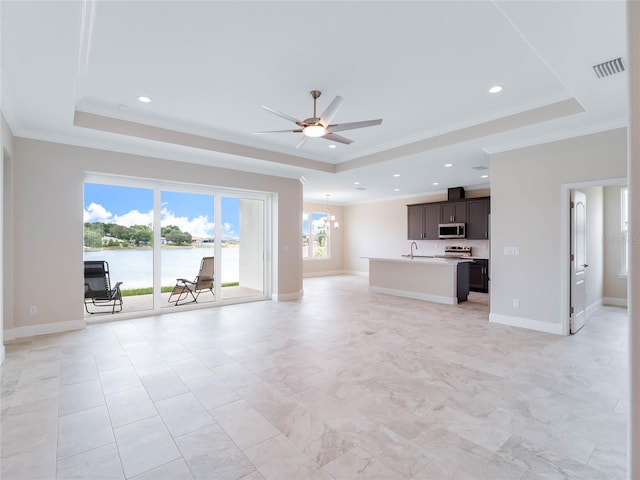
317, 220
191, 212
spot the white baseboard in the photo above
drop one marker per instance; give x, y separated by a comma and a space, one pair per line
616, 302
328, 273
285, 297
593, 307
356, 273
44, 329
528, 323
416, 295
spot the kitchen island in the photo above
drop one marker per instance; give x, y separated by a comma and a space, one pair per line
441, 280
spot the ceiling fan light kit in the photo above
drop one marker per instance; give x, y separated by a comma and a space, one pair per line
321, 127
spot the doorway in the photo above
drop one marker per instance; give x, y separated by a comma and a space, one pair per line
592, 274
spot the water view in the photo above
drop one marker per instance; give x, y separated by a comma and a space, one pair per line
134, 267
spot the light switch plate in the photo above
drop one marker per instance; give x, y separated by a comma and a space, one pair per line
512, 250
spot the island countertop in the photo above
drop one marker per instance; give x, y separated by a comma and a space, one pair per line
424, 259
441, 280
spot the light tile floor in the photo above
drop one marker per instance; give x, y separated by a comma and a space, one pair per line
341, 384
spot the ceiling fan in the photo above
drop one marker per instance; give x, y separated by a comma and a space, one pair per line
321, 127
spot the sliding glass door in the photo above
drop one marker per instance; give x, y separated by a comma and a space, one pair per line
176, 244
187, 236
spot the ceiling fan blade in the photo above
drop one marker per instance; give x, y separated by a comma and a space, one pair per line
331, 110
337, 138
301, 142
299, 130
353, 125
283, 115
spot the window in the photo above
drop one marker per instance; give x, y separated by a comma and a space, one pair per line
153, 233
315, 235
624, 227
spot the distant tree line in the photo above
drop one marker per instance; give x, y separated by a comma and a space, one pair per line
174, 235
136, 235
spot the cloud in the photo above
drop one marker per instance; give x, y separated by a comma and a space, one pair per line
227, 229
97, 213
198, 226
318, 224
134, 217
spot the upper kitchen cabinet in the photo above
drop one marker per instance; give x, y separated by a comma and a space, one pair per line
478, 219
453, 212
415, 222
422, 221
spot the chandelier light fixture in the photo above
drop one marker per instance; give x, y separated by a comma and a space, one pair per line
329, 220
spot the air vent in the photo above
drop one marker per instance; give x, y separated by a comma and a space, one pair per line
360, 188
609, 68
480, 168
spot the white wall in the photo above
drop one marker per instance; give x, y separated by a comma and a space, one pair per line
379, 229
48, 207
527, 212
252, 249
615, 285
334, 264
595, 234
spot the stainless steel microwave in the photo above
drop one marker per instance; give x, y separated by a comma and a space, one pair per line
452, 230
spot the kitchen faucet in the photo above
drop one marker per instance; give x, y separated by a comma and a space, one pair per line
412, 245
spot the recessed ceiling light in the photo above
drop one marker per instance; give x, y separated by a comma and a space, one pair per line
332, 146
495, 89
448, 164
436, 183
356, 183
144, 99
396, 189
484, 176
396, 174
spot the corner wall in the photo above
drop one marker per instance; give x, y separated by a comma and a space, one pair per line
48, 200
6, 286
527, 212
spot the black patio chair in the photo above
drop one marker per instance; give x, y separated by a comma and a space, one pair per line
97, 287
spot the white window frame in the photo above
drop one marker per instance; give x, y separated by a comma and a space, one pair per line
311, 235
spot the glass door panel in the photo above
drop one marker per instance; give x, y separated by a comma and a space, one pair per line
118, 229
187, 237
242, 248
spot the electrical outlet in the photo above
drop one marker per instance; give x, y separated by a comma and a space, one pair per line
33, 309
516, 303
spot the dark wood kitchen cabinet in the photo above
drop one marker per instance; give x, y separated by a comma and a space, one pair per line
415, 222
479, 275
453, 212
422, 221
423, 218
478, 219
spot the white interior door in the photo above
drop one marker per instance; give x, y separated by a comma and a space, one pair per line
578, 260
